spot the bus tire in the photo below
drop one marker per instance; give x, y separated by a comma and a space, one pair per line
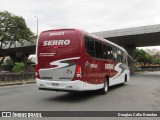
125, 80
104, 90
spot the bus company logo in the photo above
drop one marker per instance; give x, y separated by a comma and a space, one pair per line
56, 33
93, 65
69, 71
109, 66
56, 42
62, 63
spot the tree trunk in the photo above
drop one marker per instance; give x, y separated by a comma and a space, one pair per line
144, 65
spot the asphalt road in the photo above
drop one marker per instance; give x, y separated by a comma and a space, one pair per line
141, 93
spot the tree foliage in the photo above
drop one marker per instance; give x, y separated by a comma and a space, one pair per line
143, 57
18, 67
13, 29
9, 62
140, 55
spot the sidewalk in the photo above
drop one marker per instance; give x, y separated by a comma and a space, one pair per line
18, 82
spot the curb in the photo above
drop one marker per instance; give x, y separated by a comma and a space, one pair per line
17, 83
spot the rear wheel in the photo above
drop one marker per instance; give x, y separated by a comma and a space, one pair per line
125, 80
105, 87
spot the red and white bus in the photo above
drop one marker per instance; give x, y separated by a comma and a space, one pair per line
74, 60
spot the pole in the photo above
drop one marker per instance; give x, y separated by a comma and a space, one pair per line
37, 25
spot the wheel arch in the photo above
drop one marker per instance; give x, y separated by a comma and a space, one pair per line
107, 78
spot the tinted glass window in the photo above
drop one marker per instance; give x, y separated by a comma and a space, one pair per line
89, 45
105, 52
110, 53
119, 56
98, 49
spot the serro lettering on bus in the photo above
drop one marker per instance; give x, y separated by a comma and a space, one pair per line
56, 42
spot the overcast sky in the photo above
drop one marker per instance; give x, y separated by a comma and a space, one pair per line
89, 15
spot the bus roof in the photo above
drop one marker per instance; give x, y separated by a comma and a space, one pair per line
91, 35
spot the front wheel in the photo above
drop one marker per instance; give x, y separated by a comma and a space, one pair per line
104, 90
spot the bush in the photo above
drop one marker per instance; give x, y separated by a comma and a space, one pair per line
9, 62
18, 67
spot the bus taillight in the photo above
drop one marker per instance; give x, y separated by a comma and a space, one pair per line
37, 73
78, 71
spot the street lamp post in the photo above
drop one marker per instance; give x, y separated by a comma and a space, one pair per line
37, 25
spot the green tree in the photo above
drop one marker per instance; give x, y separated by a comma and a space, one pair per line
12, 29
144, 58
18, 67
156, 61
9, 62
140, 56
148, 59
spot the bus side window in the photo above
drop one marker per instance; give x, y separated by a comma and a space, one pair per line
119, 54
115, 54
98, 50
105, 51
89, 45
122, 56
124, 59
110, 53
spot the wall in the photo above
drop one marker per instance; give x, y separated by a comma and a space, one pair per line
9, 77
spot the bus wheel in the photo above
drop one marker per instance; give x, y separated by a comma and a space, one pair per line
125, 80
104, 90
